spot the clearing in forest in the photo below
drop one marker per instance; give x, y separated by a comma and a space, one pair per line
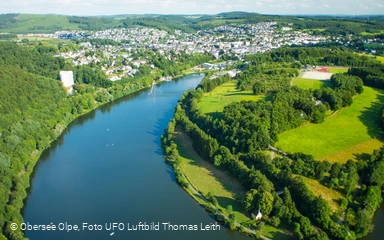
214, 102
351, 133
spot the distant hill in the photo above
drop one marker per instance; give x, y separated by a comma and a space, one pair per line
49, 23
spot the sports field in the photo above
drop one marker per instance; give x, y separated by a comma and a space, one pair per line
215, 101
316, 75
350, 133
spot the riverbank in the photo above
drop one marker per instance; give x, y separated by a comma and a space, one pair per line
24, 175
232, 217
204, 178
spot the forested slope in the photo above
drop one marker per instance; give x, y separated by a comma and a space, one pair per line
33, 112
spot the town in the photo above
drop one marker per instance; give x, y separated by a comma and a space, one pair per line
124, 59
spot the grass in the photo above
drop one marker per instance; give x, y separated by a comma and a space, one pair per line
368, 34
44, 39
306, 83
215, 101
329, 195
380, 58
207, 178
352, 132
275, 233
338, 70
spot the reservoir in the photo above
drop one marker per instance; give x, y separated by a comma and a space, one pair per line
108, 167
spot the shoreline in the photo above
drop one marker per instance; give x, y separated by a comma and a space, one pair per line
29, 168
216, 211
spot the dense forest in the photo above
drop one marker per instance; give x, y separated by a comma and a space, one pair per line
35, 109
236, 142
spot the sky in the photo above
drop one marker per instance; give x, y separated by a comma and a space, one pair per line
112, 7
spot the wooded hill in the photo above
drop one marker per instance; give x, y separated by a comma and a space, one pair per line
35, 109
329, 25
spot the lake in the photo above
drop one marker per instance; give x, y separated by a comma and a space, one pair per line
108, 167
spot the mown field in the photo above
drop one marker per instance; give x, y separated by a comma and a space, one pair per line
351, 133
338, 70
331, 196
306, 83
207, 178
215, 101
380, 58
44, 39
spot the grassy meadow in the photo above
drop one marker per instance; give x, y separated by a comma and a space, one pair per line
350, 133
215, 101
329, 195
380, 58
207, 178
338, 70
306, 83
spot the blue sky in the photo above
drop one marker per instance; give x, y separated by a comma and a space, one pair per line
109, 7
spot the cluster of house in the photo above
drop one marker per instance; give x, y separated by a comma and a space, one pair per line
223, 40
236, 41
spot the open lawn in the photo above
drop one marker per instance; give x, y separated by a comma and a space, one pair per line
306, 83
329, 195
44, 39
352, 132
275, 233
207, 178
380, 58
215, 101
338, 70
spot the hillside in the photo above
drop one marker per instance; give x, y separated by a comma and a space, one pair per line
329, 25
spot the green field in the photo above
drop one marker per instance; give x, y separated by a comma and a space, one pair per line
215, 101
207, 178
367, 33
338, 70
44, 39
380, 58
306, 83
329, 195
351, 133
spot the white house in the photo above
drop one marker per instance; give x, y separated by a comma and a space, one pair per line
66, 77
